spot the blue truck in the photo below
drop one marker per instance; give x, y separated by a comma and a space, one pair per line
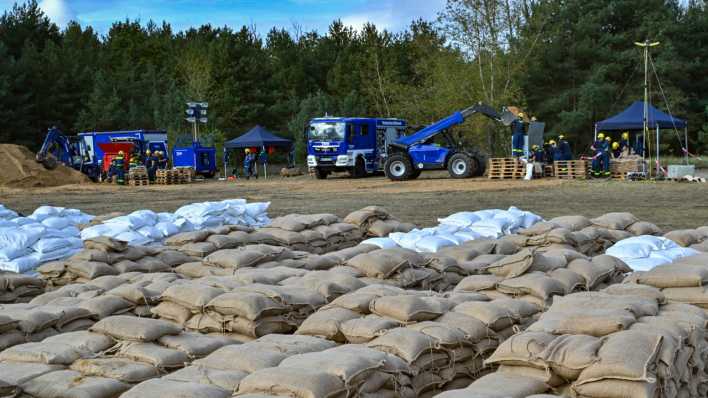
353, 144
202, 159
90, 152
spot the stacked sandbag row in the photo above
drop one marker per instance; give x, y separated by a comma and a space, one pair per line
375, 221
443, 339
116, 354
536, 277
17, 288
622, 342
397, 267
105, 256
696, 239
250, 366
683, 281
312, 233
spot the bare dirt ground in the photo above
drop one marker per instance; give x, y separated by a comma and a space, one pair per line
671, 205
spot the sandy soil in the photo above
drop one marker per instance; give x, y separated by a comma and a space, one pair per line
669, 204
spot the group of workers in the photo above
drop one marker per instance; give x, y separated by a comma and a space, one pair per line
605, 149
152, 161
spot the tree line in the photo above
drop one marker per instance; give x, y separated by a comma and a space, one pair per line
567, 62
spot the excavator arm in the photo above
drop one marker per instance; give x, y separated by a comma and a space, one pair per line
55, 149
456, 118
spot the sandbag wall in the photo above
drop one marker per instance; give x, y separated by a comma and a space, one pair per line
622, 342
696, 239
117, 353
683, 281
442, 338
18, 288
376, 222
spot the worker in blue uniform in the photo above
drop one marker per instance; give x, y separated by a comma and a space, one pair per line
151, 164
537, 154
248, 162
263, 161
548, 153
616, 151
598, 153
624, 145
120, 167
564, 147
161, 160
517, 136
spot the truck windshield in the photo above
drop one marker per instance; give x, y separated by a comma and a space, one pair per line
326, 131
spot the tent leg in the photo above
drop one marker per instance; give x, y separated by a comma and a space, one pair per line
685, 139
658, 165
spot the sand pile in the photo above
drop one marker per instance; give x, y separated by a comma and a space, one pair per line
18, 169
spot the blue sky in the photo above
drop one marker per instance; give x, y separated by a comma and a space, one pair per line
264, 14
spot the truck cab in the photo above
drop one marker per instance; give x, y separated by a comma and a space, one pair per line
356, 145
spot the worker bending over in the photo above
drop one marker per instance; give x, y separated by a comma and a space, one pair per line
601, 156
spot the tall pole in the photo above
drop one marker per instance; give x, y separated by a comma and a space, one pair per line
645, 131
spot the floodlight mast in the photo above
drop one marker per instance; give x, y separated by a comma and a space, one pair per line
646, 44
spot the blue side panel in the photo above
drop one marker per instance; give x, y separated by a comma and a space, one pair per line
429, 155
422, 135
183, 157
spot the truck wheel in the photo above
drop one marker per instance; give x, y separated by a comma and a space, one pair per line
461, 165
416, 173
398, 167
321, 174
359, 170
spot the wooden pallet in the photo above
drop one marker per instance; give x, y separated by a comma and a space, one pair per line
506, 169
571, 169
137, 183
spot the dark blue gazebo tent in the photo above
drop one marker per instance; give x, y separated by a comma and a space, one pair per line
632, 118
258, 137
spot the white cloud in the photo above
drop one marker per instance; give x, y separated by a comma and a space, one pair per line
58, 11
393, 14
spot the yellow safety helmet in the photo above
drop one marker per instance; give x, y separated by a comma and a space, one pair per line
608, 138
601, 136
147, 152
625, 135
561, 137
121, 153
534, 146
552, 142
248, 150
520, 115
615, 145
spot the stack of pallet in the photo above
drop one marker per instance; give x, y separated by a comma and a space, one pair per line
506, 169
571, 169
622, 168
172, 177
186, 173
138, 176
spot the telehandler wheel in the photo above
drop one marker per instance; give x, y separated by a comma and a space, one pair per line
359, 170
321, 174
461, 165
398, 167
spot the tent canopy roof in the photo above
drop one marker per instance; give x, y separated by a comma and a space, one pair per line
632, 118
258, 137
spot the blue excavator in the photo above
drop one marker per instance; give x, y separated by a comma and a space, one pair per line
58, 148
409, 155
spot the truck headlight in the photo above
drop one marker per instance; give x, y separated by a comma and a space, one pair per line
342, 160
311, 161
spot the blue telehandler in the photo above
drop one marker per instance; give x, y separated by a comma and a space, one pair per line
409, 155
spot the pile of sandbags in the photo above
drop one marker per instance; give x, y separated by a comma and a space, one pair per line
313, 233
16, 288
683, 281
696, 239
536, 277
49, 233
442, 338
144, 227
104, 256
116, 354
222, 372
375, 221
623, 342
642, 253
398, 267
459, 228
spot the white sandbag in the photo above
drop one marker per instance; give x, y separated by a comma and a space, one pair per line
133, 238
47, 245
461, 219
167, 228
431, 244
384, 243
21, 264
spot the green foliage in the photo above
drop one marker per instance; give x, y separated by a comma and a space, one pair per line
567, 62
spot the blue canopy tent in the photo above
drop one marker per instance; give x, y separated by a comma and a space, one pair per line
632, 118
257, 137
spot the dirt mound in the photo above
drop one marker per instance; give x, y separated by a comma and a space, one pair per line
18, 169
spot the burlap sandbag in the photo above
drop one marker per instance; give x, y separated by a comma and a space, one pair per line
170, 388
153, 354
262, 326
363, 330
195, 345
228, 380
685, 237
135, 329
443, 334
493, 316
124, 370
46, 353
105, 244
246, 305
633, 289
246, 358
615, 220
593, 322
697, 296
90, 269
193, 296
474, 329
385, 262
105, 306
522, 349
571, 281
644, 228
593, 273
69, 383
572, 223
327, 323
674, 275
184, 238
513, 265
409, 308
172, 312
476, 283
295, 382
568, 355
536, 284
613, 388
86, 343
500, 385
246, 256
405, 343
